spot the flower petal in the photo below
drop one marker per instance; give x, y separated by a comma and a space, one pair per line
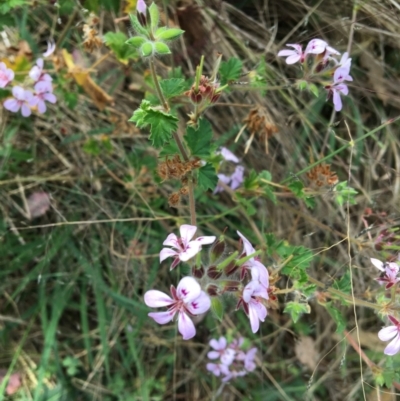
12, 105
187, 232
378, 264
192, 249
167, 253
186, 326
393, 347
337, 101
157, 299
172, 240
287, 52
248, 248
387, 333
199, 305
205, 240
293, 59
162, 317
188, 289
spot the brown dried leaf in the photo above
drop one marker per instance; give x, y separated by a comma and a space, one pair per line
99, 97
306, 352
38, 204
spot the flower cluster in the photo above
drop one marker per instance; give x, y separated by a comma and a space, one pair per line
231, 360
235, 179
242, 275
41, 90
324, 65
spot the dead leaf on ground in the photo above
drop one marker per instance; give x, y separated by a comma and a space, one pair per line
306, 352
99, 97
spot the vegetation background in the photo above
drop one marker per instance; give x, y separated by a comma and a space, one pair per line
72, 320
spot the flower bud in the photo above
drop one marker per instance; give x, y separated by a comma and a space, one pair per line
231, 268
217, 250
213, 290
198, 272
214, 273
141, 10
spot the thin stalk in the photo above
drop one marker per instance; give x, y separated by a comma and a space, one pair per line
344, 147
158, 87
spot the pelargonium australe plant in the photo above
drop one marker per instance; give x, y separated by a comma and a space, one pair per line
209, 273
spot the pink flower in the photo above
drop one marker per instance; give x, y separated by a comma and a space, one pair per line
36, 73
23, 99
6, 75
258, 270
228, 155
389, 272
237, 177
251, 300
293, 56
187, 299
238, 363
141, 7
221, 351
222, 178
339, 88
43, 92
319, 46
51, 46
218, 368
184, 248
391, 333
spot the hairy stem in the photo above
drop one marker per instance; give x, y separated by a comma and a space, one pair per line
158, 87
180, 144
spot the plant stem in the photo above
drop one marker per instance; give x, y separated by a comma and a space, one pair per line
180, 144
358, 302
158, 87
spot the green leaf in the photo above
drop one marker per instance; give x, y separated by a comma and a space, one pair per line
147, 49
251, 182
247, 205
344, 284
345, 194
199, 139
137, 26
135, 41
169, 149
230, 70
161, 124
154, 16
296, 309
207, 177
172, 87
169, 34
297, 188
314, 89
161, 48
217, 308
302, 84
336, 316
117, 42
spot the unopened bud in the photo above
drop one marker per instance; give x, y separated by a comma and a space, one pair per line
231, 268
214, 273
198, 272
212, 290
217, 250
